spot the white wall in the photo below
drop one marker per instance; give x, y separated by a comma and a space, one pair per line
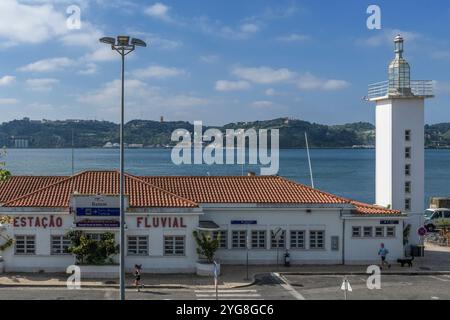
287, 219
365, 250
393, 118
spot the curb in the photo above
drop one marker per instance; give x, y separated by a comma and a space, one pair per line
358, 273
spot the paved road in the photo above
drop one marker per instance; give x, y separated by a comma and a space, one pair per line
267, 287
392, 287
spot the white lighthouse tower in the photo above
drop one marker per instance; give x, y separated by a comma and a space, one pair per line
400, 140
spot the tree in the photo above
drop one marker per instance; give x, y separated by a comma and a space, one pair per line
90, 251
206, 245
4, 174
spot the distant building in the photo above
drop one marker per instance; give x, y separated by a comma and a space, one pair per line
21, 143
161, 119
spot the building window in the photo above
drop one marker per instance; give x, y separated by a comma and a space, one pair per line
94, 236
408, 187
407, 204
25, 245
297, 239
379, 232
137, 245
223, 239
59, 245
174, 245
368, 232
281, 243
317, 239
238, 239
407, 135
408, 152
407, 169
356, 232
390, 232
258, 239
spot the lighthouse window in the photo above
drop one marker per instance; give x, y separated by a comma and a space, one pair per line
408, 187
297, 239
407, 204
407, 169
25, 245
407, 135
408, 152
60, 244
174, 245
258, 239
137, 245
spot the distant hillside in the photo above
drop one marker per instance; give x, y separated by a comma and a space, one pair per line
90, 133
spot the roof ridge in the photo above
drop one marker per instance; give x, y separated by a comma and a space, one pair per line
161, 189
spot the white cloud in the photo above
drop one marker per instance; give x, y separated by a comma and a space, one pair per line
90, 68
8, 101
293, 37
47, 65
211, 58
41, 84
159, 11
22, 23
262, 104
7, 80
264, 75
249, 28
308, 81
101, 54
386, 37
88, 36
139, 94
158, 72
271, 92
224, 85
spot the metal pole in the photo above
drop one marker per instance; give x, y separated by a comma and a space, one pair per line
121, 191
309, 160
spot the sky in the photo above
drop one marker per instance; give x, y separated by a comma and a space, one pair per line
215, 61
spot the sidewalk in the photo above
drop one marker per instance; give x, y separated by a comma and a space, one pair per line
436, 261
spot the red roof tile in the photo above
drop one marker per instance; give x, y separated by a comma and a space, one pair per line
141, 194
182, 191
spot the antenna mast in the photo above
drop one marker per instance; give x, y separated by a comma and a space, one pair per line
309, 160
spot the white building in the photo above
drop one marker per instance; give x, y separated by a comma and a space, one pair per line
400, 123
163, 212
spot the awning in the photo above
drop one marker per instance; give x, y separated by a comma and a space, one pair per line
207, 226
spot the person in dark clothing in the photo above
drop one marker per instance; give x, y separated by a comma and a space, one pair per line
137, 276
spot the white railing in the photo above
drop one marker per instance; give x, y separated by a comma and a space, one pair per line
421, 88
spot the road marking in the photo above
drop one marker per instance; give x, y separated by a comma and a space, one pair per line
440, 279
285, 284
228, 294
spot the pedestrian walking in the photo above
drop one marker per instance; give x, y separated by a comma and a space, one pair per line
137, 276
383, 252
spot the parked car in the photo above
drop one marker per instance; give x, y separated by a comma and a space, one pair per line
436, 218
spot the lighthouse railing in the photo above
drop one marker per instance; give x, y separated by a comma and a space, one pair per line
420, 88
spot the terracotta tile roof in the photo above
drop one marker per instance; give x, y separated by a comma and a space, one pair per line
18, 186
141, 194
163, 191
247, 189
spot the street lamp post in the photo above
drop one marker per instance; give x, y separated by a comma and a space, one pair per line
123, 46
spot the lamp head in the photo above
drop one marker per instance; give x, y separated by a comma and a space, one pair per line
123, 40
108, 40
138, 42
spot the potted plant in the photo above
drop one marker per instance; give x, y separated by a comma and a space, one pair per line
206, 249
95, 257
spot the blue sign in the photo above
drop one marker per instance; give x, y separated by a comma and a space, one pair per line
389, 222
244, 222
98, 212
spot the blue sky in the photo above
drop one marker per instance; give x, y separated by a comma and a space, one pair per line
216, 61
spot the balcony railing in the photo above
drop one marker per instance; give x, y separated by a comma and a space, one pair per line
420, 88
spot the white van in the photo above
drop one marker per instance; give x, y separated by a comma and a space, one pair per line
436, 218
